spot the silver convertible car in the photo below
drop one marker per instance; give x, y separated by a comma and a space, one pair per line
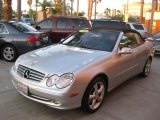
79, 71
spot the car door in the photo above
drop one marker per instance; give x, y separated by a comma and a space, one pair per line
141, 52
124, 64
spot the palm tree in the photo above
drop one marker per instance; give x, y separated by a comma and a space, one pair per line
1, 9
7, 10
36, 9
152, 15
77, 7
64, 8
141, 11
118, 12
90, 3
95, 7
18, 10
72, 7
107, 12
44, 5
30, 4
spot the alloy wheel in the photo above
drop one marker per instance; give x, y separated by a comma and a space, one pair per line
96, 95
8, 53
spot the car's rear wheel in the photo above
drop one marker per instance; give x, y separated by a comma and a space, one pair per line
147, 68
9, 53
94, 95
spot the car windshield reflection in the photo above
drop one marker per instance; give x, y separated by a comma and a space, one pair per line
103, 40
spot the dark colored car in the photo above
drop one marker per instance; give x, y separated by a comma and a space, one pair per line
110, 24
17, 38
61, 27
155, 39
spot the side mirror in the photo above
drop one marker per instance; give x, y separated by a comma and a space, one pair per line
38, 27
125, 50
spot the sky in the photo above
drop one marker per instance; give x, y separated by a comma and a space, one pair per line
83, 5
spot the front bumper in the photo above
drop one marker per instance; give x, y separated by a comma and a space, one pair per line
52, 98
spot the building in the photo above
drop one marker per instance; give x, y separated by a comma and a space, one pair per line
132, 7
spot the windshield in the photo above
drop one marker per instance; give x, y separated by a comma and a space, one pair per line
102, 40
23, 27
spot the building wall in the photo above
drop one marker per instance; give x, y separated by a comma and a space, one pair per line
134, 7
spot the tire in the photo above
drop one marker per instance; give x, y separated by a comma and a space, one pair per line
147, 68
94, 95
9, 53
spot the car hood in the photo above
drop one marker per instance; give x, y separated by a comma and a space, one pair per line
60, 59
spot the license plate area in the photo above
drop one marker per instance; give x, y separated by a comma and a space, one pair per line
22, 88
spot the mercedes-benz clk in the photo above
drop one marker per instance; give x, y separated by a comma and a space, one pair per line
79, 71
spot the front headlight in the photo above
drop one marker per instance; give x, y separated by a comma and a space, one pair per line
60, 81
52, 80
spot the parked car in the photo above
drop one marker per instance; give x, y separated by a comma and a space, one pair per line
79, 71
155, 39
29, 21
140, 28
17, 38
60, 27
110, 24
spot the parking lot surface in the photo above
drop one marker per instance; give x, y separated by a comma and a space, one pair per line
136, 99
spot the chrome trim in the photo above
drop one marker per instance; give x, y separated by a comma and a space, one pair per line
32, 74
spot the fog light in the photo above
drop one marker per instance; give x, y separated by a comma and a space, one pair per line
56, 102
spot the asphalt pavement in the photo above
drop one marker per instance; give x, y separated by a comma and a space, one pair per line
136, 99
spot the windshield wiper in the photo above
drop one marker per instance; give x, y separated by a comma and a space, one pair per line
83, 46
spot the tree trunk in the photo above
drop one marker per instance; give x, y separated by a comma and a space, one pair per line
141, 11
44, 11
18, 10
152, 16
72, 7
7, 10
95, 8
77, 7
1, 9
64, 8
90, 9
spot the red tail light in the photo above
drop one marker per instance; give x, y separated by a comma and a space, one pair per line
32, 38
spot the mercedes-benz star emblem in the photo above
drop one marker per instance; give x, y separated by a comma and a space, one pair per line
27, 74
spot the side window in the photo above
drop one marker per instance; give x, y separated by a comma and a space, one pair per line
46, 24
138, 27
3, 29
63, 24
79, 24
128, 40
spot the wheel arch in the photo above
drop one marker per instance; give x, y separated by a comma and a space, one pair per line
7, 43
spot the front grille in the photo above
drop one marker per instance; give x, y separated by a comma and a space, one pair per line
32, 74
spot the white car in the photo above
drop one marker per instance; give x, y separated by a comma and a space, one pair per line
139, 28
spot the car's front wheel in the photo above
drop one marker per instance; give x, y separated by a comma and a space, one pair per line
9, 53
147, 68
94, 95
